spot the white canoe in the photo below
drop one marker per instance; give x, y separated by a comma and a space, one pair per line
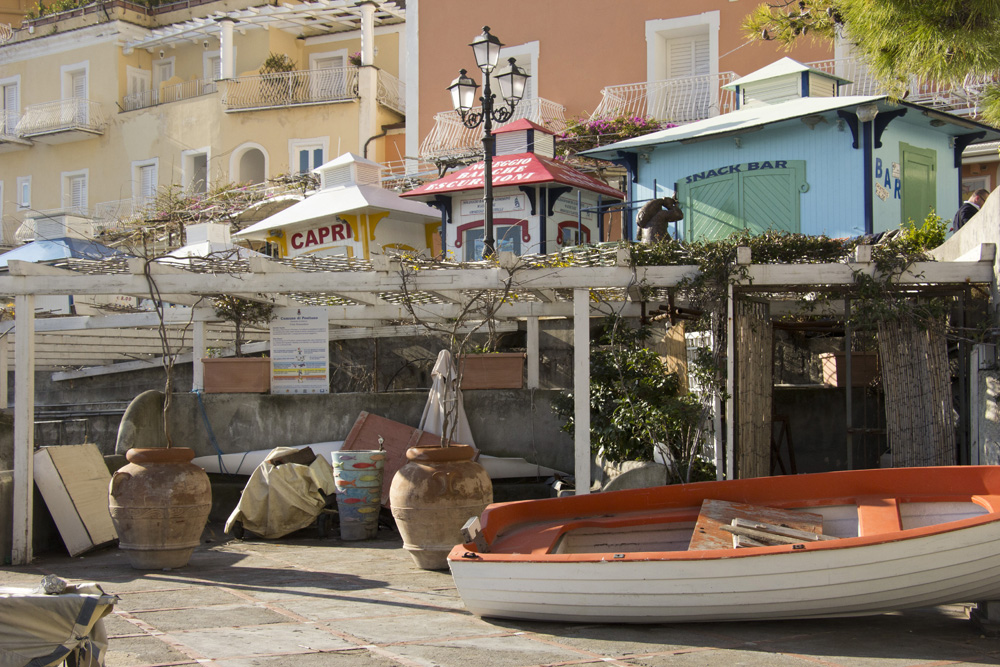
905, 538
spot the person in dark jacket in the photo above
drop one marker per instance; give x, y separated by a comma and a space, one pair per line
969, 209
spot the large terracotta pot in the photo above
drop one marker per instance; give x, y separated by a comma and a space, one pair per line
159, 502
432, 497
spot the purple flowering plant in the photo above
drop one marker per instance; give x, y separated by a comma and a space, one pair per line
586, 133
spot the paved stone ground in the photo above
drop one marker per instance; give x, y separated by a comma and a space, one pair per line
323, 602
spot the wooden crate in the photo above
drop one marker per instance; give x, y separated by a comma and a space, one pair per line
864, 368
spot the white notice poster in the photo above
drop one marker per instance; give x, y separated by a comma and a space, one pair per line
300, 351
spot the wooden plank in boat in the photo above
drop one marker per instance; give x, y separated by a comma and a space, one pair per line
709, 534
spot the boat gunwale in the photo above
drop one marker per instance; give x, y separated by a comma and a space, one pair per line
951, 476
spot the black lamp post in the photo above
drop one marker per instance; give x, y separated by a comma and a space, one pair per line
512, 80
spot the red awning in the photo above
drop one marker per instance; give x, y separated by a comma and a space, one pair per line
520, 169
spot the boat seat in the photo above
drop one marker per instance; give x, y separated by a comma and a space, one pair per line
878, 515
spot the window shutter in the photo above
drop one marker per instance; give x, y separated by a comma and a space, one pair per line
10, 98
303, 161
80, 85
78, 192
688, 56
147, 182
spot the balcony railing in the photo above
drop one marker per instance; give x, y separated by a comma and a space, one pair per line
391, 92
450, 138
120, 213
173, 93
680, 100
963, 98
76, 114
284, 89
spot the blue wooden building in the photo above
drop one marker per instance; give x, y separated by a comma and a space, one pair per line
796, 156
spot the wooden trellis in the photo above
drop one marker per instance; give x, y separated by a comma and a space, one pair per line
754, 365
917, 383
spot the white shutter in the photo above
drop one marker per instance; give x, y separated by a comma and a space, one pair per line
79, 85
688, 56
215, 64
78, 192
147, 182
163, 71
9, 118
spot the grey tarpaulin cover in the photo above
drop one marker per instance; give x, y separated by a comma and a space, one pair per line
279, 500
38, 629
445, 395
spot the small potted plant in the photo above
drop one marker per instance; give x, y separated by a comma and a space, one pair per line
239, 374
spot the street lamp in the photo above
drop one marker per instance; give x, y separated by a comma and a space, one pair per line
512, 80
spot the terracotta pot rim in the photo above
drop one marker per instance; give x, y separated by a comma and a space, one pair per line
438, 454
159, 455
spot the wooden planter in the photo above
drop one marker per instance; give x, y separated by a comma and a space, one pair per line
498, 370
864, 368
236, 375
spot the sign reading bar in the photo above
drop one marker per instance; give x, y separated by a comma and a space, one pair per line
300, 351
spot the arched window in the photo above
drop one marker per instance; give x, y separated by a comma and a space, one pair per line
248, 164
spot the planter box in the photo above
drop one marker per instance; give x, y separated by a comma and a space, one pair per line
499, 370
864, 368
235, 375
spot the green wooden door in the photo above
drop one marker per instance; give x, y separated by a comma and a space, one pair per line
756, 196
919, 182
711, 208
770, 200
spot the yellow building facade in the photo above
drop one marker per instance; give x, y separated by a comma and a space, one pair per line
105, 110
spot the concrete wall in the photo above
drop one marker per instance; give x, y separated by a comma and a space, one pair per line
503, 422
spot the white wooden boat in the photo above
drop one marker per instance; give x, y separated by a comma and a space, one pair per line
904, 538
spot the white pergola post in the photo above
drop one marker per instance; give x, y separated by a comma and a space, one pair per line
533, 355
730, 384
4, 370
197, 354
227, 51
367, 80
24, 427
581, 389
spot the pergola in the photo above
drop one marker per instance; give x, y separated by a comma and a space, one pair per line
366, 298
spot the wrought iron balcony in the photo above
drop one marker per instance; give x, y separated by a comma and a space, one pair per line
173, 93
62, 121
680, 100
962, 99
449, 138
285, 89
9, 141
391, 92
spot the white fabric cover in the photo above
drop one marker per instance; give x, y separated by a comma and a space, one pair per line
41, 630
445, 395
279, 500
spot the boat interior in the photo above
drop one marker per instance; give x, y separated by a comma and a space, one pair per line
678, 529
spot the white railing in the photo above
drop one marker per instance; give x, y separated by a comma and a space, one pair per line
61, 116
282, 89
8, 122
403, 175
391, 92
963, 98
680, 100
450, 137
121, 213
172, 93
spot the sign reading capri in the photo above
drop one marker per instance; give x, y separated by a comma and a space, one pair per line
737, 168
338, 231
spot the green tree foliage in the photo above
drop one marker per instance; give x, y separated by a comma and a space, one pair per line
941, 40
635, 404
242, 313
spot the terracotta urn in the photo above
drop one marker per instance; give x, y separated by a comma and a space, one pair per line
432, 497
159, 503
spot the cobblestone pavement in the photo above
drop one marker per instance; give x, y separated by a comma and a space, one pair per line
310, 601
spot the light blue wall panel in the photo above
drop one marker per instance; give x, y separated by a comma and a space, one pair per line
834, 203
887, 212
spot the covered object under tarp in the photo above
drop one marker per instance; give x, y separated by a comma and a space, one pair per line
38, 629
280, 498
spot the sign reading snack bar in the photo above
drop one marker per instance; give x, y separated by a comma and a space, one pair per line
300, 351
